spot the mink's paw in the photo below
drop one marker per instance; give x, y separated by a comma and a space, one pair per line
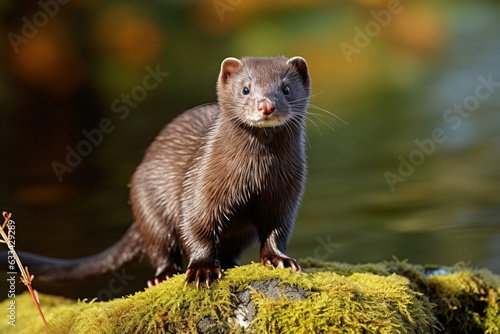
158, 280
203, 274
166, 274
280, 262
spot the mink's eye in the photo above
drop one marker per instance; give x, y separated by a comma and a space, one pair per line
286, 90
245, 90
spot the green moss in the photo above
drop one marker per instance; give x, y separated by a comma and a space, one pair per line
467, 301
327, 297
360, 303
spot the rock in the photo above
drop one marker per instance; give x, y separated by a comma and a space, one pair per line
326, 297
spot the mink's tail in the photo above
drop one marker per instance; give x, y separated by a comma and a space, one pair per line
49, 269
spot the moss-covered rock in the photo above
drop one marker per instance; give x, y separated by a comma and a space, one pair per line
326, 297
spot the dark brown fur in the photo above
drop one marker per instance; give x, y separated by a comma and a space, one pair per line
217, 178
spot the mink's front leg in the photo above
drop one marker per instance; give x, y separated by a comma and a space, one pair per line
273, 253
203, 271
203, 264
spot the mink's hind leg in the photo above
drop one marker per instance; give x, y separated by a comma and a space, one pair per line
170, 266
164, 252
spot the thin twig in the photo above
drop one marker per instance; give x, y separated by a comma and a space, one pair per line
26, 278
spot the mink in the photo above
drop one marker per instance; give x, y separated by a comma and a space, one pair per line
215, 180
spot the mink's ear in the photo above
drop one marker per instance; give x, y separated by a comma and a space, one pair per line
301, 66
229, 67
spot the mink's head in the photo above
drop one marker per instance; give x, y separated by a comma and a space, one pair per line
264, 92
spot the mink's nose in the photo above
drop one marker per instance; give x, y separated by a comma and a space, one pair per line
266, 107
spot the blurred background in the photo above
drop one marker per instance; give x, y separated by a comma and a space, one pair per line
398, 72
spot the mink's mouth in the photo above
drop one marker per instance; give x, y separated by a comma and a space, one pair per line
266, 121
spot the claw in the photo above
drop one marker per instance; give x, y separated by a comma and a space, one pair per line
202, 275
158, 280
153, 283
281, 262
197, 279
295, 265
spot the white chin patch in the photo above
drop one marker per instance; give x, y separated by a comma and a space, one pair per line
266, 121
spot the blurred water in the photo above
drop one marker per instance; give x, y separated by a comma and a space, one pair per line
447, 210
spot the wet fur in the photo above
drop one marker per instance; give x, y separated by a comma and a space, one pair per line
215, 180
